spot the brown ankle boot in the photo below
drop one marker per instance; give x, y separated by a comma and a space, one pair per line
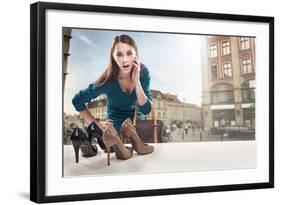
129, 131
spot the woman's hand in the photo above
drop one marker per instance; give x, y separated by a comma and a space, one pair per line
106, 123
136, 71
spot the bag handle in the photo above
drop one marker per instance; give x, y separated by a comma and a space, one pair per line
154, 119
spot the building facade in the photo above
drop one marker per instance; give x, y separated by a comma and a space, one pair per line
66, 54
98, 108
228, 81
171, 110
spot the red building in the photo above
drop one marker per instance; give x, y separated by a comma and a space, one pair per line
228, 81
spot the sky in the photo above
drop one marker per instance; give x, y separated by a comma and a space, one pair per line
173, 61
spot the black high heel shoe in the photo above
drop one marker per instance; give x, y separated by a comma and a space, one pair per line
94, 132
80, 140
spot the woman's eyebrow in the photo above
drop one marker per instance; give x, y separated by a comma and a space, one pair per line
128, 51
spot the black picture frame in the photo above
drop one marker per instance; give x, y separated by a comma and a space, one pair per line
38, 100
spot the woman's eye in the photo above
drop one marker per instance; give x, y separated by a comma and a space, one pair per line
118, 55
129, 54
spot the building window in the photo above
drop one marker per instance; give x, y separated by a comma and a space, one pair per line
248, 89
222, 94
159, 115
249, 117
225, 48
224, 118
213, 51
247, 66
227, 70
214, 72
159, 101
244, 43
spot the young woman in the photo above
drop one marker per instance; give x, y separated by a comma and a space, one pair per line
126, 82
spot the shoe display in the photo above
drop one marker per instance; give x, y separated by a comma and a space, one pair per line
111, 139
129, 131
80, 140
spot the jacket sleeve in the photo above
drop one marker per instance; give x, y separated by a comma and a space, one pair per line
86, 95
145, 83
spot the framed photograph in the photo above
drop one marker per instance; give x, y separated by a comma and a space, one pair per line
129, 102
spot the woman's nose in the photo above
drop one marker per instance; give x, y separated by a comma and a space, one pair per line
125, 59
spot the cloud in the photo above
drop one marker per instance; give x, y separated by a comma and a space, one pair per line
87, 41
176, 75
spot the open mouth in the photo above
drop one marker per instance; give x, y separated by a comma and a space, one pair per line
125, 66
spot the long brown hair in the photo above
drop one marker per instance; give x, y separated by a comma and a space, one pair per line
112, 70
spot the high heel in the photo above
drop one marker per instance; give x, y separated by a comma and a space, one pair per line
94, 132
129, 131
80, 140
111, 139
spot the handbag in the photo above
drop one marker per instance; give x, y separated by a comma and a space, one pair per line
150, 131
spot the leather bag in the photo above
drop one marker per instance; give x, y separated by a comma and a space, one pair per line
150, 131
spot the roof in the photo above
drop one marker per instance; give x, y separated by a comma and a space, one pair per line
167, 96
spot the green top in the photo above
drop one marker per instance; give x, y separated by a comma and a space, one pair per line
120, 105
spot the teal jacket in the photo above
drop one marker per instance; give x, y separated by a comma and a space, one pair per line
120, 105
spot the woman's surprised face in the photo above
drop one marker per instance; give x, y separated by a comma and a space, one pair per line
124, 55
